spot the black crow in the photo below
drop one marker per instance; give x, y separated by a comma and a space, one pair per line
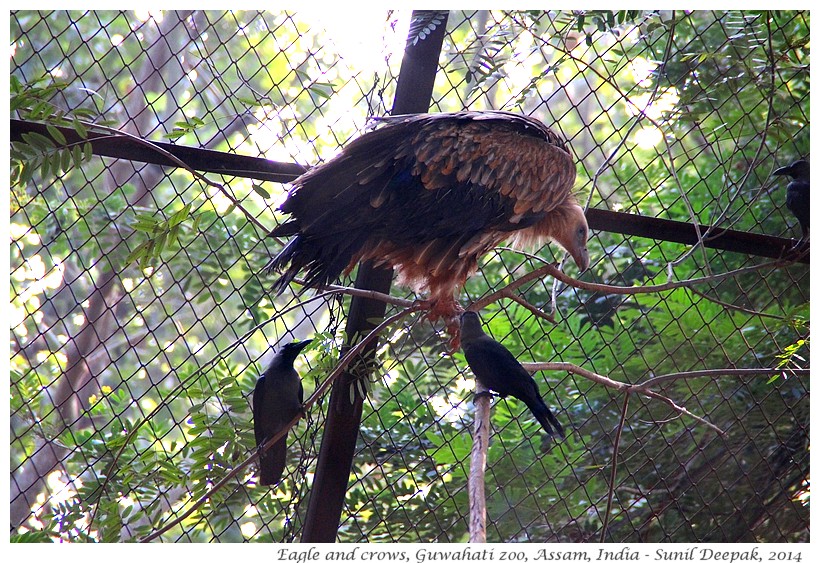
277, 399
797, 192
498, 370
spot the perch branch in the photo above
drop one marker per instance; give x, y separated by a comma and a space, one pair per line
617, 385
530, 307
644, 388
549, 268
478, 465
370, 294
552, 270
663, 379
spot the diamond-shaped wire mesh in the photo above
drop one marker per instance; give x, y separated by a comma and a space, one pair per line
131, 379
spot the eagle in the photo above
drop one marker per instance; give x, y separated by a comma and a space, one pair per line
429, 194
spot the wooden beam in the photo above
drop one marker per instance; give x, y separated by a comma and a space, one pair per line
413, 93
753, 244
211, 161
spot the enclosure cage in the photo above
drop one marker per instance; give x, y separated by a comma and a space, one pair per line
141, 318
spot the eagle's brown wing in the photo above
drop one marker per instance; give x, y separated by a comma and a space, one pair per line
426, 193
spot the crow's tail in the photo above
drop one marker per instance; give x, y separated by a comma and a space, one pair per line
544, 415
272, 463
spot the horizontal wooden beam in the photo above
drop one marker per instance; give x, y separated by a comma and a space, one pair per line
667, 230
202, 160
205, 160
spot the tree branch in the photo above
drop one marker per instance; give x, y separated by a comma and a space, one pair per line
734, 307
370, 294
478, 465
644, 388
613, 473
617, 385
664, 379
528, 306
552, 270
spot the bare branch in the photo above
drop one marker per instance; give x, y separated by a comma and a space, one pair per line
735, 307
552, 270
507, 292
478, 464
663, 379
370, 294
617, 385
676, 407
614, 472
577, 370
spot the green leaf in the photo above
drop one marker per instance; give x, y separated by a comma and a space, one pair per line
145, 223
65, 160
175, 134
15, 86
56, 134
38, 141
36, 536
138, 253
77, 155
180, 215
56, 162
85, 113
261, 191
80, 129
44, 168
25, 149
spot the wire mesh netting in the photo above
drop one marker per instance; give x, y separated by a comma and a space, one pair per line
140, 318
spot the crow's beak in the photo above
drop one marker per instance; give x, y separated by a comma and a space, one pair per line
785, 171
301, 345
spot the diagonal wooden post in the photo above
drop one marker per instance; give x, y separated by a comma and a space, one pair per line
413, 93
